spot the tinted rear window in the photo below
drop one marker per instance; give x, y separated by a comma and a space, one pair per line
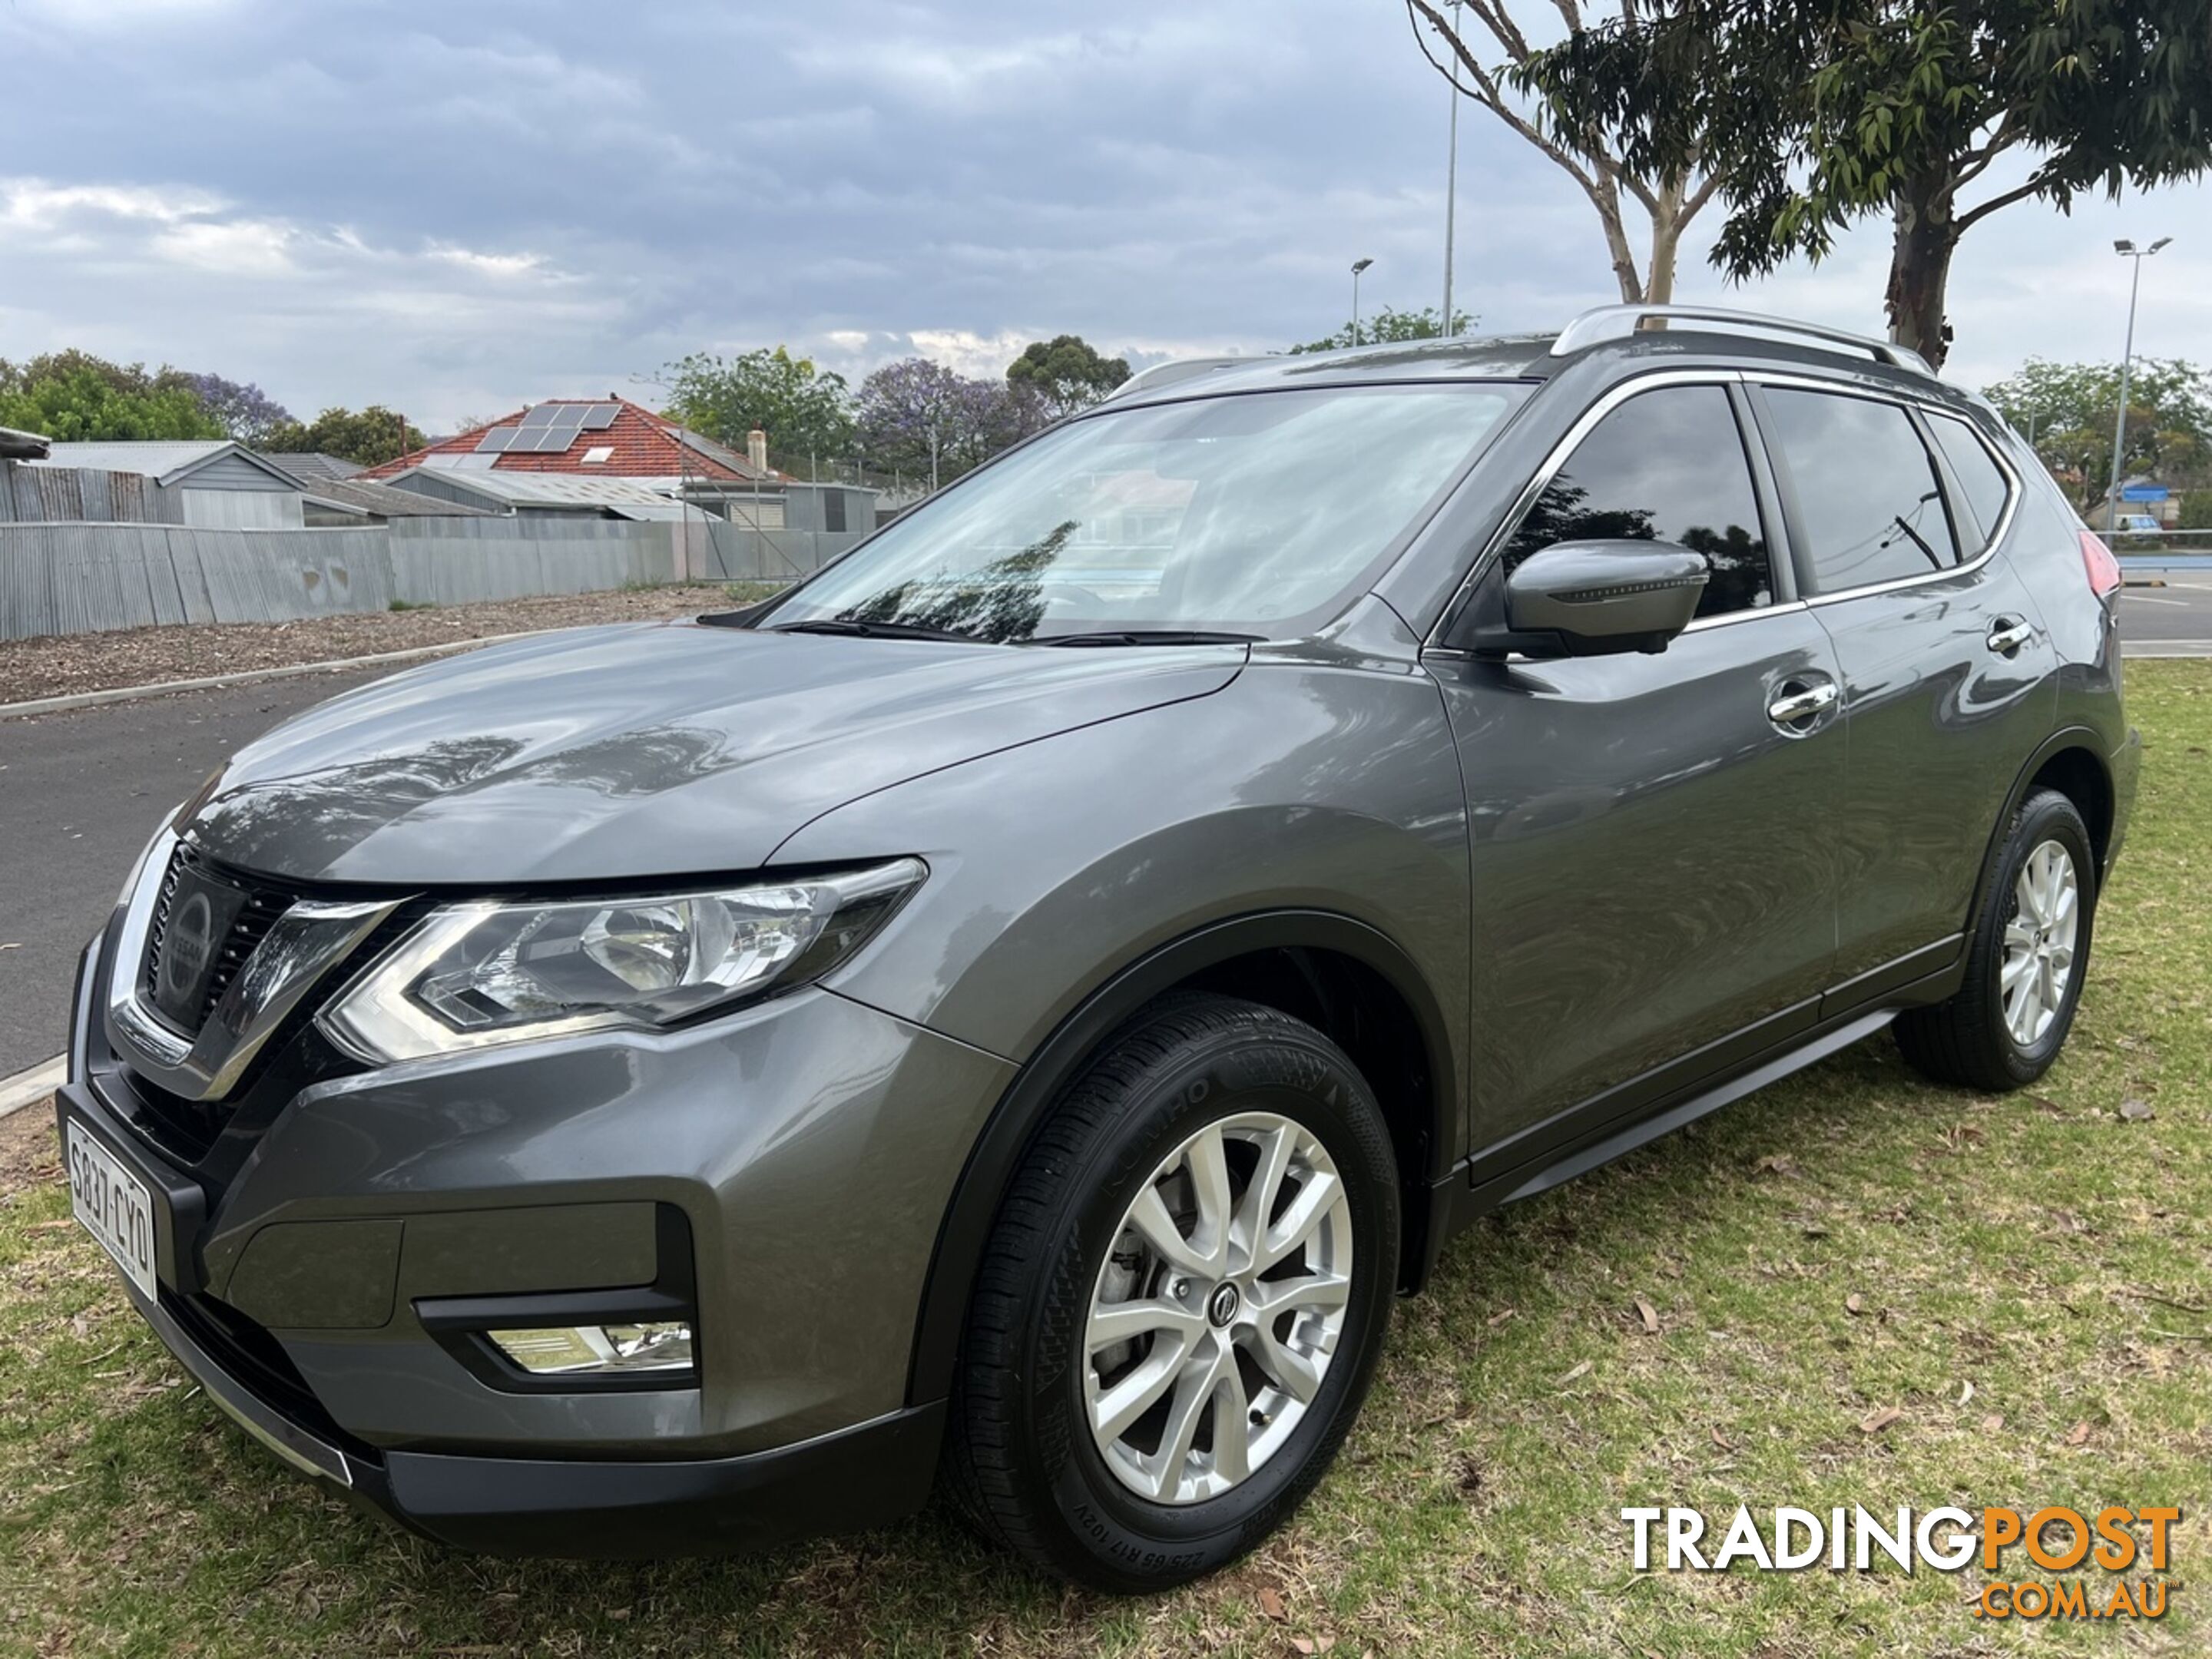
1867, 495
1981, 480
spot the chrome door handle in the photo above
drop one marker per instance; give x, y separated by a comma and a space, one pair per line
1802, 705
2009, 634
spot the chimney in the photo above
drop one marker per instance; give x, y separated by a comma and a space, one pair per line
757, 449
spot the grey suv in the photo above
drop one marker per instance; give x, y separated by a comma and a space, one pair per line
1010, 1015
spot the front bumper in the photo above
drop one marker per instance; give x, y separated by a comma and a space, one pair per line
809, 1146
865, 1476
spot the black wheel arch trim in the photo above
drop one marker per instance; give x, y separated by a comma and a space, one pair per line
1021, 1109
2071, 736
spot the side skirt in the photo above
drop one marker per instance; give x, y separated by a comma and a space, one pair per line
1491, 1179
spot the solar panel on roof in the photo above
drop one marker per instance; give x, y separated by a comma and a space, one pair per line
534, 418
555, 439
599, 417
570, 416
498, 441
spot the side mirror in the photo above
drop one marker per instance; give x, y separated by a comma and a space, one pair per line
1587, 598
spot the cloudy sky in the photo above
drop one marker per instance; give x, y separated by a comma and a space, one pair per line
454, 208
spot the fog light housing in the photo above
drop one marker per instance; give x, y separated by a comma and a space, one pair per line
635, 1348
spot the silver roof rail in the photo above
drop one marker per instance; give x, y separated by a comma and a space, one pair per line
1186, 369
1618, 322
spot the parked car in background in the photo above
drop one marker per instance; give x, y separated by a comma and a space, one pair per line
2138, 524
1016, 1011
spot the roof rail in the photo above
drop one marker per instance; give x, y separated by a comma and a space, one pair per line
1617, 322
1186, 369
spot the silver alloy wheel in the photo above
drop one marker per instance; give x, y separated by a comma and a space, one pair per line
2038, 964
1217, 1312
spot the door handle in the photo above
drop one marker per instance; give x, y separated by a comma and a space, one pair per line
2009, 634
1801, 702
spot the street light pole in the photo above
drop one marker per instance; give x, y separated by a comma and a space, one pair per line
1451, 190
1358, 265
2127, 250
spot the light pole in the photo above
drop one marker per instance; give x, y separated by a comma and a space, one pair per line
1451, 188
1358, 265
2128, 250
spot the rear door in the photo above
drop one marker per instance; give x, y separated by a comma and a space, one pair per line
1948, 669
1649, 835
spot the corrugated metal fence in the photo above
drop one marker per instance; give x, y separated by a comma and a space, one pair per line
88, 578
41, 495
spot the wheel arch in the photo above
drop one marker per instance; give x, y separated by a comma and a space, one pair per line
2070, 762
1338, 974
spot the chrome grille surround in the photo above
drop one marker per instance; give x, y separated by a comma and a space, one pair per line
300, 948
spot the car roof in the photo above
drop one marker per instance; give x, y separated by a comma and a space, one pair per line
1637, 337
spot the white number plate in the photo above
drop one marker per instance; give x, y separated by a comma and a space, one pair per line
113, 1205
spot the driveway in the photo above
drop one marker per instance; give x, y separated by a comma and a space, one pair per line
80, 794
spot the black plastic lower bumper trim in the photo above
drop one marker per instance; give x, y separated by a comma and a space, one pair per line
868, 1475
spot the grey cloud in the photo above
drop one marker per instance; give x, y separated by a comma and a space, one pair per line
451, 210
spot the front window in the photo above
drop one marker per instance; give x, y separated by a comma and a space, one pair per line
1257, 514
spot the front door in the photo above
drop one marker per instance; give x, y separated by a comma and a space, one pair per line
1650, 836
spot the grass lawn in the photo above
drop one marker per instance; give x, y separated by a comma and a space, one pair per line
2027, 1280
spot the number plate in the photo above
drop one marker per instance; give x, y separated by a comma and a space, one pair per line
114, 1207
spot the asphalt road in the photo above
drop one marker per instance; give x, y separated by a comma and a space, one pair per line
80, 794
2173, 621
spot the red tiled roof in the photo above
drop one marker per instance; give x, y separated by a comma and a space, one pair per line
645, 445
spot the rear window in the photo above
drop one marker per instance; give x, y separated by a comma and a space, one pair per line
1981, 480
1869, 498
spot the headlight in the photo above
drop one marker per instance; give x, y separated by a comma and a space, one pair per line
474, 974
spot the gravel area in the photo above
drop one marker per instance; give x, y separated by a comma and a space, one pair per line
56, 666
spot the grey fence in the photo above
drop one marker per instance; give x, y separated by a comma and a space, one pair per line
89, 578
43, 494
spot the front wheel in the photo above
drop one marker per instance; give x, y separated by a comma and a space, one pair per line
1182, 1301
2004, 1027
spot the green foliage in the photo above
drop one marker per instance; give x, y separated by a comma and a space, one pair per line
366, 438
2071, 409
1067, 373
2196, 510
1386, 324
807, 412
1814, 113
73, 397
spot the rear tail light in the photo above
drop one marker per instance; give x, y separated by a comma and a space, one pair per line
2097, 559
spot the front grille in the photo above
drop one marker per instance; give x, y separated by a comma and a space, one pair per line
258, 911
183, 1128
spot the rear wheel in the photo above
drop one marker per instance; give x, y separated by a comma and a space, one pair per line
2010, 1018
1182, 1301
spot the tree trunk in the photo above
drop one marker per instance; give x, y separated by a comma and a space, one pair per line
1920, 268
1605, 195
1665, 241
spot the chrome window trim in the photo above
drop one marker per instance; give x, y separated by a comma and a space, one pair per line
1621, 393
302, 946
1851, 389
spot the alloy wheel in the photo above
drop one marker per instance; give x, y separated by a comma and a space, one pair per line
2038, 942
1217, 1313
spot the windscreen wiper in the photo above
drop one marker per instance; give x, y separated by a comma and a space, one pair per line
876, 630
1149, 636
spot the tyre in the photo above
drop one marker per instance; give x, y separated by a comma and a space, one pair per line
1182, 1303
2025, 964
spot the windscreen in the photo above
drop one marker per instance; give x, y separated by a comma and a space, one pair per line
1255, 513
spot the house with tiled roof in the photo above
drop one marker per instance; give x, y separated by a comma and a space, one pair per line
618, 459
601, 437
